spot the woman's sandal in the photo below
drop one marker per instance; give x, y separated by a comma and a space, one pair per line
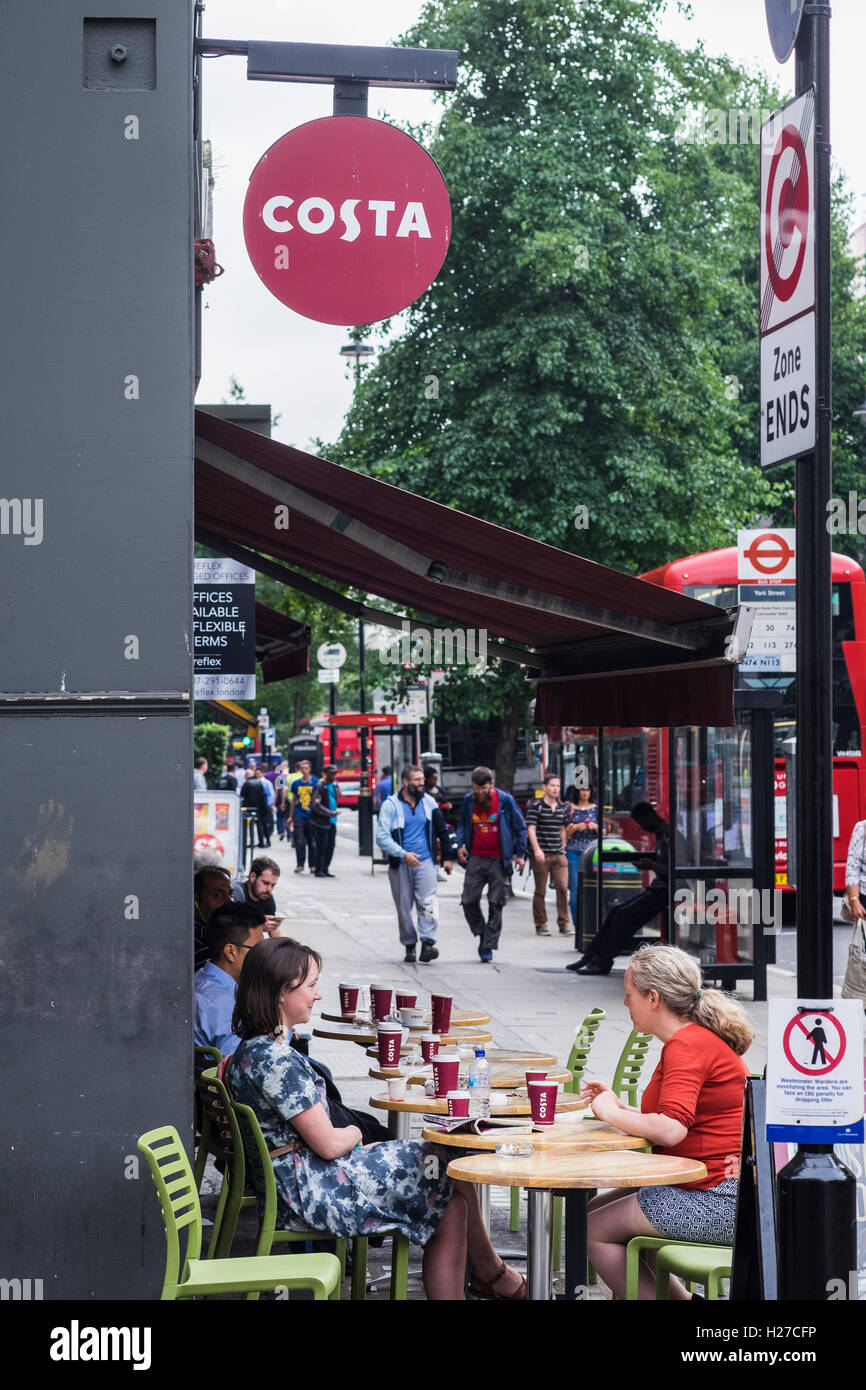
479, 1289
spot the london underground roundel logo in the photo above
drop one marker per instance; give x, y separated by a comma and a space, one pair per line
347, 220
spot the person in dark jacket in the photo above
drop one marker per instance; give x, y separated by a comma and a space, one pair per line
491, 839
323, 820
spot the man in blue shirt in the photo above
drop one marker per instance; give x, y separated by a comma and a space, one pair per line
231, 932
410, 823
384, 788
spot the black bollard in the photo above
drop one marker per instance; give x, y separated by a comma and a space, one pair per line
817, 1226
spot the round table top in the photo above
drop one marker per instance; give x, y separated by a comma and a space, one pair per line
501, 1103
550, 1169
350, 1032
502, 1078
521, 1059
460, 1018
581, 1136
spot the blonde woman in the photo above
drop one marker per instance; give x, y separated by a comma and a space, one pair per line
692, 1108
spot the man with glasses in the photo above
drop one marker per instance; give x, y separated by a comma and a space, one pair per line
232, 931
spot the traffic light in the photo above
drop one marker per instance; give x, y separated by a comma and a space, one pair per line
247, 741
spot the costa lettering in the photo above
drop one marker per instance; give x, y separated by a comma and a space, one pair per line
414, 218
347, 220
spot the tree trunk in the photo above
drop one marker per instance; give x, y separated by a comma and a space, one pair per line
506, 743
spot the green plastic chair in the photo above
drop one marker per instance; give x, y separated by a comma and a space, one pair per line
190, 1276
698, 1264
204, 1058
260, 1171
224, 1142
630, 1065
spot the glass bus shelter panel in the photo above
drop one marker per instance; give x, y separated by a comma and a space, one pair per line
715, 914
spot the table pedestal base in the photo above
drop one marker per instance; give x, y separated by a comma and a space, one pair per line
539, 1246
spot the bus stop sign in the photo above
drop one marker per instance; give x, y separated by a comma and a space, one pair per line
347, 220
783, 22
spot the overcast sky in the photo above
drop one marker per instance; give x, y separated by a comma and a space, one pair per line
292, 362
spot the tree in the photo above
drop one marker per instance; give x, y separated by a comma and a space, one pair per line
585, 367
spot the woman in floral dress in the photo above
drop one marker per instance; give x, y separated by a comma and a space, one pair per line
325, 1179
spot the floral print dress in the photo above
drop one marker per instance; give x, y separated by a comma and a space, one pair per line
402, 1184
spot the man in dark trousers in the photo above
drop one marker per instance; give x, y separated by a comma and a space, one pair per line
302, 795
323, 820
253, 798
491, 838
624, 921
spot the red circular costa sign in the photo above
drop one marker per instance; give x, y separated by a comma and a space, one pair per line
347, 220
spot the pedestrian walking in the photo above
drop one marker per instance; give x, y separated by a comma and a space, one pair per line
546, 819
253, 798
580, 833
491, 840
302, 795
410, 825
323, 820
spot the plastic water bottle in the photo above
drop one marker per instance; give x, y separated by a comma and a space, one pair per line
479, 1086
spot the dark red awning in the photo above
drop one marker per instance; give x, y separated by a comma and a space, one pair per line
557, 613
282, 645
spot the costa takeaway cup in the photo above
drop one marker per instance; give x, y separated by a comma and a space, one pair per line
446, 1068
542, 1101
380, 1001
458, 1104
406, 1001
429, 1045
441, 1007
389, 1039
536, 1076
348, 998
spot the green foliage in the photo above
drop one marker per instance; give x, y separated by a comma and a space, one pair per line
211, 741
592, 337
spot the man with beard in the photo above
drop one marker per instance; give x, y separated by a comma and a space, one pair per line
491, 837
410, 824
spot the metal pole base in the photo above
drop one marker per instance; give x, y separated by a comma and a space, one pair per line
539, 1246
817, 1227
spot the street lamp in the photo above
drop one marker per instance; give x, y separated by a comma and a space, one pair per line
361, 352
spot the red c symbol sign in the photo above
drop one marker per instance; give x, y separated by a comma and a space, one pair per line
793, 208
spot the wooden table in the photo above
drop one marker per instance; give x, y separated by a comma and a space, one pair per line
401, 1111
502, 1077
460, 1018
519, 1057
366, 1034
580, 1133
550, 1170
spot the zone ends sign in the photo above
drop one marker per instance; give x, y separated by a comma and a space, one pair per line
347, 220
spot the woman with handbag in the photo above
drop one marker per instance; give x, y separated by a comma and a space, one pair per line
854, 986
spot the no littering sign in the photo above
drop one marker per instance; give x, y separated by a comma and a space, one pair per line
815, 1071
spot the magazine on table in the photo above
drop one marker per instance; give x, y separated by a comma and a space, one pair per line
461, 1124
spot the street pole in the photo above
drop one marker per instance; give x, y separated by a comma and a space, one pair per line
365, 798
817, 1193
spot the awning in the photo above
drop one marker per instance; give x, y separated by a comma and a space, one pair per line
282, 645
596, 639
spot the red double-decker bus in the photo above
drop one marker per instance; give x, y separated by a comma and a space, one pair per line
713, 763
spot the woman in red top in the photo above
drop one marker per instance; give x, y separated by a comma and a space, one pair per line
692, 1108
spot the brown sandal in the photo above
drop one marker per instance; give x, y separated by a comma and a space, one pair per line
479, 1289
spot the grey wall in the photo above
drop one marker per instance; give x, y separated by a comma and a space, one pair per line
95, 287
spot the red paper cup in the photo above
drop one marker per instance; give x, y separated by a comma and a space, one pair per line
407, 1001
446, 1069
389, 1038
535, 1076
429, 1045
380, 1001
458, 1104
441, 1005
349, 999
542, 1101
